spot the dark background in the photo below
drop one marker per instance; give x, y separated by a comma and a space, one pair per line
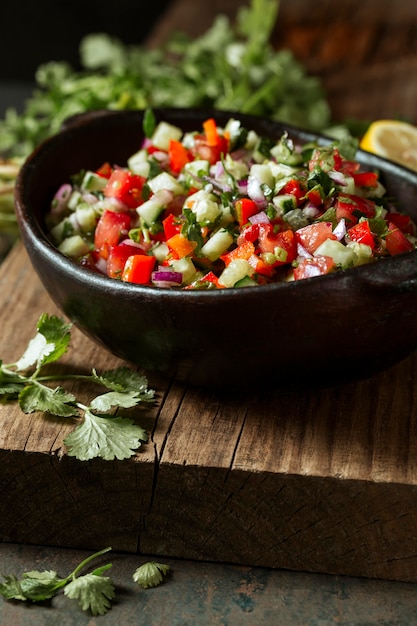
39, 31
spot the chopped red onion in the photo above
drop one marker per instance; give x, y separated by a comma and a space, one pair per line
311, 210
101, 265
259, 218
166, 278
340, 230
303, 252
60, 200
338, 177
255, 191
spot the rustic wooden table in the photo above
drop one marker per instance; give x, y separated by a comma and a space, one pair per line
321, 481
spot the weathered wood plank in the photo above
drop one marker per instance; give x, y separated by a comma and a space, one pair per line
315, 479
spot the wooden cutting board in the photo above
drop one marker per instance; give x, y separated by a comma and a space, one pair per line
321, 480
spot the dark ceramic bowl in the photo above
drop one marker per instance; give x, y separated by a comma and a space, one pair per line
337, 327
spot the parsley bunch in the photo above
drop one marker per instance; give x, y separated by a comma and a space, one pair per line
101, 432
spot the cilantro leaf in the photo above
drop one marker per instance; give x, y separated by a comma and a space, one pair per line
48, 345
108, 401
92, 593
124, 379
34, 586
150, 574
36, 397
56, 332
106, 437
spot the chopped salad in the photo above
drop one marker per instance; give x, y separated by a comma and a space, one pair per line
223, 207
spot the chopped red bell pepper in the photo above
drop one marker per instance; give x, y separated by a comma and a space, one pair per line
181, 246
178, 156
172, 226
105, 170
138, 269
245, 208
118, 256
244, 251
351, 207
362, 233
366, 179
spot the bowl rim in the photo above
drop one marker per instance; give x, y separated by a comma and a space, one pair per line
32, 230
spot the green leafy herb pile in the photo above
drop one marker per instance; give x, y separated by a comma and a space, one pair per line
101, 433
230, 66
92, 591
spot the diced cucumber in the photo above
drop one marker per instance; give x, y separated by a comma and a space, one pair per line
217, 244
246, 281
86, 217
165, 181
186, 267
150, 210
362, 250
234, 167
235, 272
196, 169
138, 163
75, 198
163, 134
342, 255
285, 202
160, 251
74, 247
262, 173
204, 205
93, 182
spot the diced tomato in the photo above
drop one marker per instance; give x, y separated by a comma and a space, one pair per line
244, 251
349, 167
249, 233
126, 187
366, 179
210, 153
403, 222
138, 269
313, 235
314, 266
105, 170
181, 246
178, 156
362, 233
118, 256
210, 277
172, 226
245, 208
294, 188
396, 241
110, 229
351, 207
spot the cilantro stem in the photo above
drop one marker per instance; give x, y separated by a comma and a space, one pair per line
86, 561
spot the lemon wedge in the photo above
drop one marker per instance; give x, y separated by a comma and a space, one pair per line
394, 140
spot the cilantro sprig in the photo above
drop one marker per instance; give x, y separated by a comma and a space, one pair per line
102, 431
93, 591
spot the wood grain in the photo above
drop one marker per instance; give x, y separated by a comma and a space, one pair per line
321, 479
